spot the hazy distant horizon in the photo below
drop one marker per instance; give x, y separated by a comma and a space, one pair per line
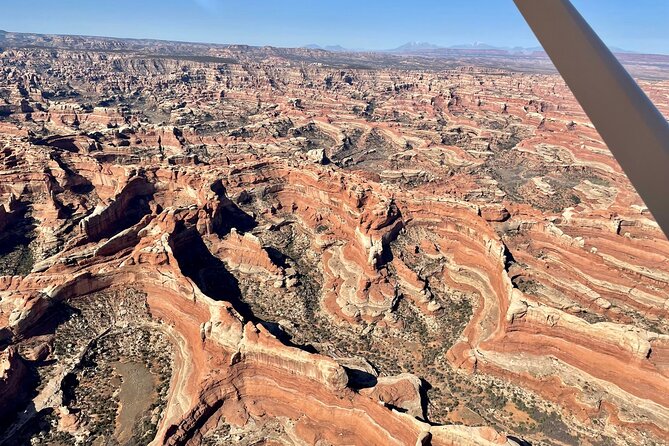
335, 47
370, 25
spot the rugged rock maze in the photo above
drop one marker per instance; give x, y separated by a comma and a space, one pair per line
120, 370
230, 245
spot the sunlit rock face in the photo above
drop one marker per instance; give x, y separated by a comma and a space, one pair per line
235, 245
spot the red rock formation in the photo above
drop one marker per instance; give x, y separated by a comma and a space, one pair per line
450, 189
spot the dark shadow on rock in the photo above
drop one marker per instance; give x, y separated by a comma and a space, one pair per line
76, 183
424, 399
38, 423
278, 332
277, 257
228, 215
509, 259
519, 441
15, 254
395, 408
45, 362
206, 270
82, 189
359, 379
67, 386
57, 314
64, 142
387, 255
19, 404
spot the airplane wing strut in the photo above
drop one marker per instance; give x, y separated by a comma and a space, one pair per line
634, 130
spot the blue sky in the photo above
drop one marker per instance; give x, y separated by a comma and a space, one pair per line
640, 25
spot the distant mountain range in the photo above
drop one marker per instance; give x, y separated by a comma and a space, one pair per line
427, 47
422, 47
408, 48
333, 48
411, 47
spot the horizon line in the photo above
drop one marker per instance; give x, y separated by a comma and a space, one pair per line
323, 47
